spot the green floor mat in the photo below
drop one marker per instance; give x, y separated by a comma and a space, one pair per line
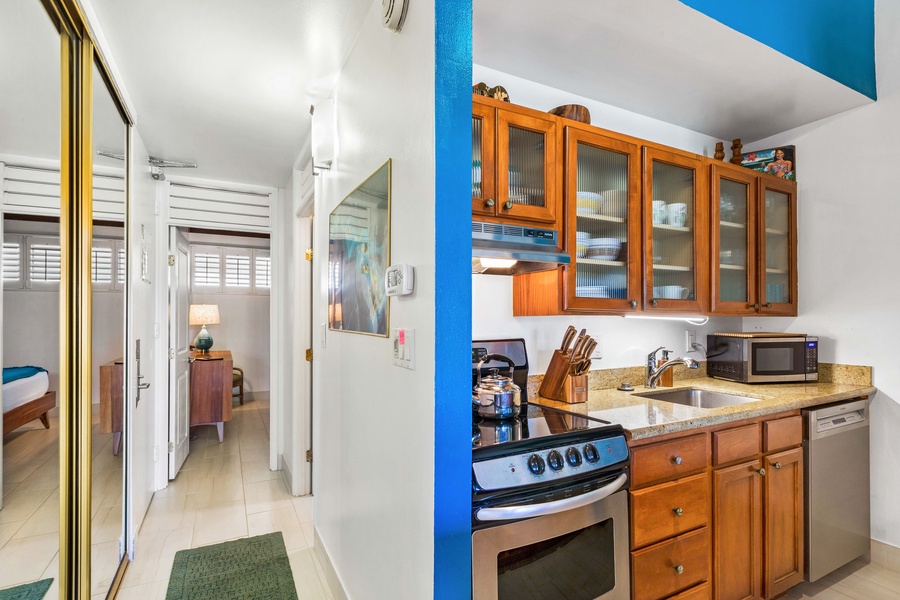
29, 591
256, 567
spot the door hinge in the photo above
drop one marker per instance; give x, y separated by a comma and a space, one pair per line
171, 353
309, 456
171, 446
171, 260
309, 355
309, 254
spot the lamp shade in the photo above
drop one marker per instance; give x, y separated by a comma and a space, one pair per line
204, 314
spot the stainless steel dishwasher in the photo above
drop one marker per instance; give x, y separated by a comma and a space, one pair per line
836, 450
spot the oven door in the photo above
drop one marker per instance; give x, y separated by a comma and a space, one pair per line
577, 554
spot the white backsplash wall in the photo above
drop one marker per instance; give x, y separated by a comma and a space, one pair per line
849, 254
623, 342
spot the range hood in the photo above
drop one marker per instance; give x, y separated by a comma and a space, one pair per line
531, 249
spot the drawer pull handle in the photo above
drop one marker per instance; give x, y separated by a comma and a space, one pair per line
678, 512
762, 472
679, 569
777, 465
676, 460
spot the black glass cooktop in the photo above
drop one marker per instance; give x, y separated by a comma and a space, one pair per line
537, 425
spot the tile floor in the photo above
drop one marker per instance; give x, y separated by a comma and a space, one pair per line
224, 492
29, 521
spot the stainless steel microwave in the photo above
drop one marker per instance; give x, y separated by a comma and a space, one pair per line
762, 357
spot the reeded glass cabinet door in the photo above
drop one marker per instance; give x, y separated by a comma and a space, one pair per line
483, 166
527, 172
733, 256
778, 248
602, 177
676, 242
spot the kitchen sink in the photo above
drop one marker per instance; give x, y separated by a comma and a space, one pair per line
697, 398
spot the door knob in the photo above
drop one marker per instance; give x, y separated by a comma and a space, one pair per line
678, 512
777, 465
489, 202
761, 472
676, 460
508, 204
654, 302
633, 303
679, 569
768, 305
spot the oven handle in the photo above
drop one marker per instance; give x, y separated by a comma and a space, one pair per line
503, 513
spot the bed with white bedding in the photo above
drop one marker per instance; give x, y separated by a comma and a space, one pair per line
26, 396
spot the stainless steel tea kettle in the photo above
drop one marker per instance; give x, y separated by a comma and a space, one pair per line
496, 396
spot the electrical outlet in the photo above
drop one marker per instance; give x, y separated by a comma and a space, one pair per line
690, 338
597, 354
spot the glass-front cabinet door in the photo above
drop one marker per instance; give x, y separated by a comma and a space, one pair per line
777, 247
676, 240
484, 193
733, 251
602, 182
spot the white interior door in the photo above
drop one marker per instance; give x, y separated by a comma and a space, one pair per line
179, 353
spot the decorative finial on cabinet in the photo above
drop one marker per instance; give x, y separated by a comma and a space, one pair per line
720, 151
736, 157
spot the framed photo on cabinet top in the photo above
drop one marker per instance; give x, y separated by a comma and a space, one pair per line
780, 162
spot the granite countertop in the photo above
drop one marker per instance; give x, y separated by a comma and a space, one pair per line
643, 417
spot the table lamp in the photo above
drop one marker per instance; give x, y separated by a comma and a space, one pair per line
203, 315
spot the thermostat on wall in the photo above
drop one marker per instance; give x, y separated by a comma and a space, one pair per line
399, 280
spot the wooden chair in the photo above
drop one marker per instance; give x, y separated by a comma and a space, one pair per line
237, 381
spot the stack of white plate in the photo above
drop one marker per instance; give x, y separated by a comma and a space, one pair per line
592, 291
588, 203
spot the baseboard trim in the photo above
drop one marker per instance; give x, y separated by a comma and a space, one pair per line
331, 576
884, 555
286, 474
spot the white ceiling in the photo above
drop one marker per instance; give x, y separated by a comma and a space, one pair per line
228, 83
657, 58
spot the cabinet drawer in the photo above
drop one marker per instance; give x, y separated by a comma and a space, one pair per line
782, 433
669, 460
671, 566
669, 509
739, 443
700, 592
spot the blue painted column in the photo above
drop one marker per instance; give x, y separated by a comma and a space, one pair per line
453, 300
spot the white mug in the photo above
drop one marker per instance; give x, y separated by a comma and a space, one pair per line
671, 292
659, 212
676, 214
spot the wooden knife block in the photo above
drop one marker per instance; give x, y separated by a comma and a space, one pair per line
576, 389
553, 385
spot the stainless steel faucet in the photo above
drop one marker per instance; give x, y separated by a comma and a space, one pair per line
654, 371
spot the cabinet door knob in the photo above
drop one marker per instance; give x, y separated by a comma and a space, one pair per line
508, 205
755, 306
654, 302
777, 465
633, 303
678, 512
762, 472
676, 460
489, 202
679, 569
768, 305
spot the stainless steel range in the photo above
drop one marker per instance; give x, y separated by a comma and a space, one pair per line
549, 501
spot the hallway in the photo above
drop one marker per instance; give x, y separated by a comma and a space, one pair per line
225, 491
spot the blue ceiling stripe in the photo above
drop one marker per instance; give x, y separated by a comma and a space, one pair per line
834, 37
453, 301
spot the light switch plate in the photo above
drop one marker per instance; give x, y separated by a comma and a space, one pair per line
403, 347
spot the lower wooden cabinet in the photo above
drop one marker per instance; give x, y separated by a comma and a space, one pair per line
670, 566
745, 505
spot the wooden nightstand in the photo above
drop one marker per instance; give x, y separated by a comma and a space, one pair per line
112, 403
211, 389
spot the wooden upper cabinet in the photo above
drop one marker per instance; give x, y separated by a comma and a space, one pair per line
754, 242
484, 190
602, 183
777, 214
676, 235
515, 164
733, 215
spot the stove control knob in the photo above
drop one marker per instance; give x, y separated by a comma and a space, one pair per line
573, 456
590, 453
536, 464
555, 460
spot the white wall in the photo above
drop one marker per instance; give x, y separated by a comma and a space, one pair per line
624, 342
244, 319
31, 319
849, 254
374, 477
282, 274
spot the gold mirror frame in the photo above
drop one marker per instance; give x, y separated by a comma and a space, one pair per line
78, 54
